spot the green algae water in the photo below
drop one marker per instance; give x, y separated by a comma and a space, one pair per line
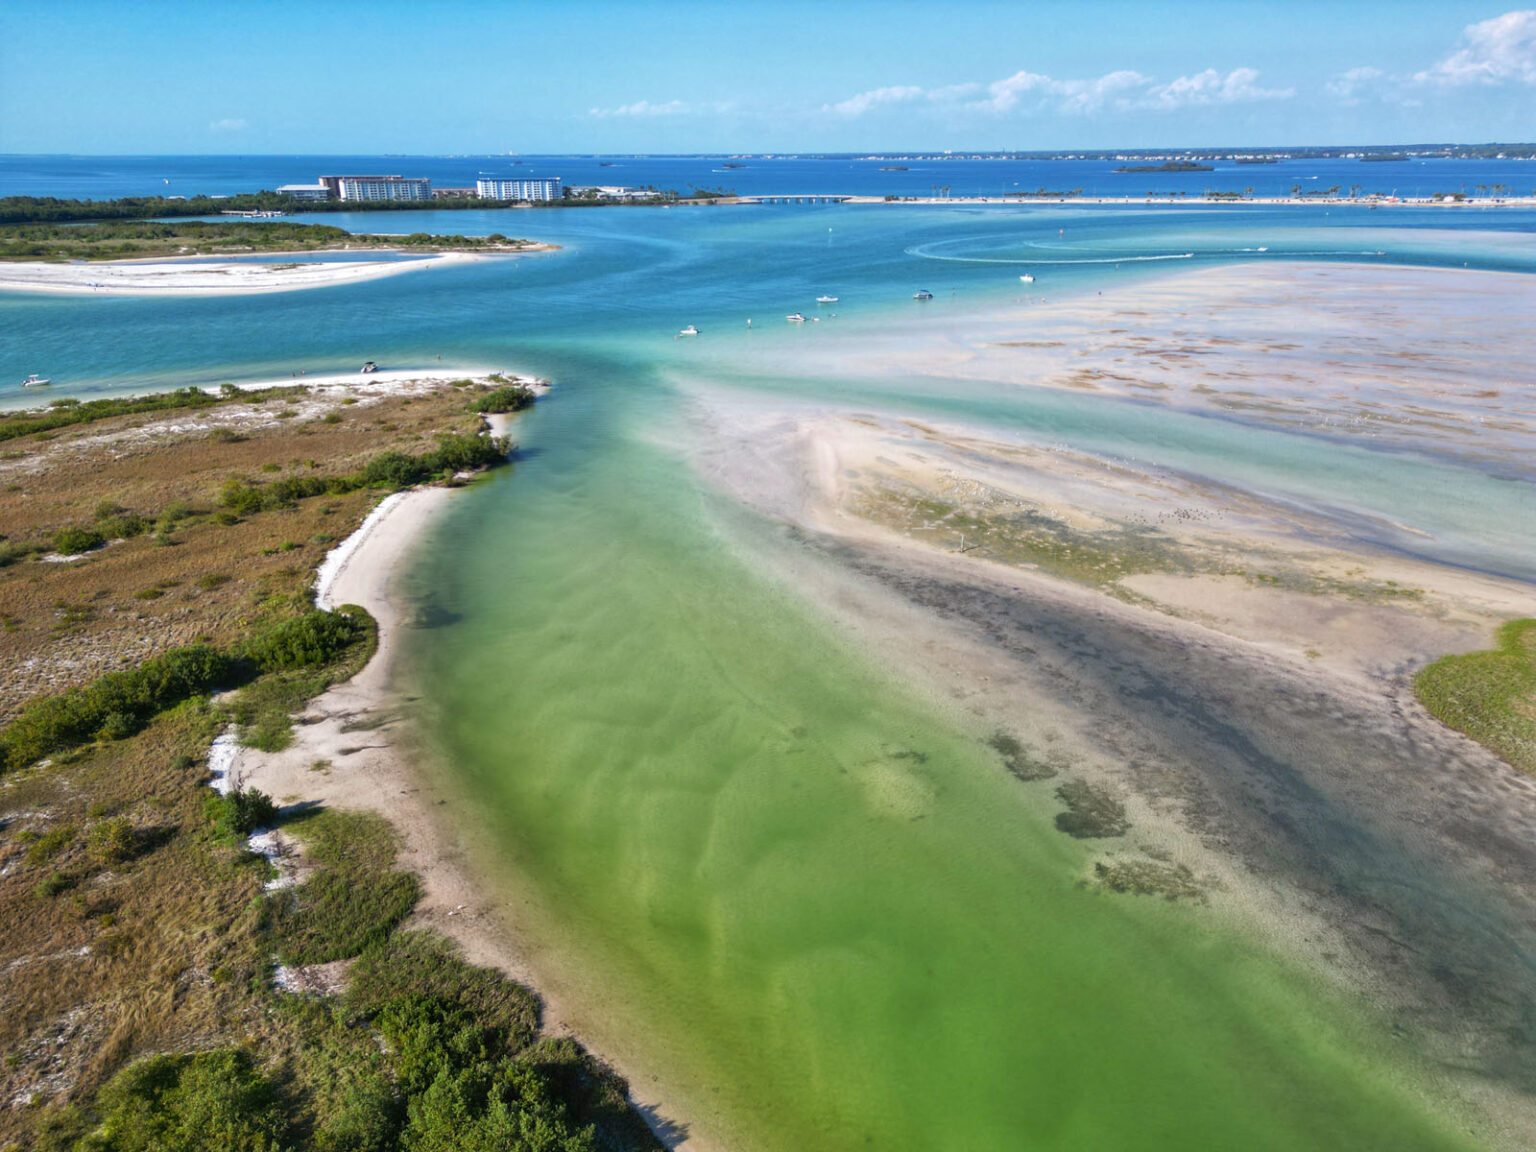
746, 859
754, 866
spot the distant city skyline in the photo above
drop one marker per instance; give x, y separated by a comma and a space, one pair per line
94, 77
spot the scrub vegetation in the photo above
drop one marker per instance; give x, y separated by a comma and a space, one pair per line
139, 1008
192, 514
140, 239
1490, 696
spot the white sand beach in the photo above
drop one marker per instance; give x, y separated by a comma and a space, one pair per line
224, 278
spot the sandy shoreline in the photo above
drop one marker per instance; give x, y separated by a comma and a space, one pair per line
173, 277
361, 732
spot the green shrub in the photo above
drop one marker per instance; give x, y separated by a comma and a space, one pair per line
50, 844
316, 638
240, 811
77, 716
290, 490
204, 1102
241, 497
117, 726
74, 540
208, 581
112, 841
122, 526
512, 398
56, 884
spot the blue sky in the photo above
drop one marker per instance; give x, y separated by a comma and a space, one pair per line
124, 77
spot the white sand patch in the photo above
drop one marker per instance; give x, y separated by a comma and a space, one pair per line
221, 762
234, 278
338, 557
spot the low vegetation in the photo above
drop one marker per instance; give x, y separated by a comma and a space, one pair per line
1149, 877
67, 412
507, 398
1490, 696
1018, 758
138, 239
1092, 812
138, 1010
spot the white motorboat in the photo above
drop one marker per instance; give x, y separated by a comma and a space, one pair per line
795, 318
369, 367
826, 299
1027, 278
689, 331
922, 294
36, 381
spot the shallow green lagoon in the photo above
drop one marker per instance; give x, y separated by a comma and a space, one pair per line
748, 862
753, 865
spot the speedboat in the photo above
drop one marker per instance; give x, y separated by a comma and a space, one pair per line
35, 381
1027, 278
689, 331
369, 367
795, 318
826, 299
922, 294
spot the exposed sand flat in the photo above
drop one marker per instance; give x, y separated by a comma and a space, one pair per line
231, 278
1434, 359
1238, 664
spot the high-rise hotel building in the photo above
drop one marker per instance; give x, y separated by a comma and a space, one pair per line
546, 189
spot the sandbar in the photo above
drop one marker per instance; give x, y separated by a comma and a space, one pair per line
221, 278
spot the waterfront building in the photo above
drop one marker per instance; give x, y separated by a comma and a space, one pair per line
538, 189
305, 191
609, 192
378, 187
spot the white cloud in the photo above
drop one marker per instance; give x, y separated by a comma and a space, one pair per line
1494, 51
645, 108
875, 98
1211, 87
1035, 92
228, 124
1347, 86
1072, 96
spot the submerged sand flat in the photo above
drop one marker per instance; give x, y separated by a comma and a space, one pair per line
232, 278
1438, 360
1237, 661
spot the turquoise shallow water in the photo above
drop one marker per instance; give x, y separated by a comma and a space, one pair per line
751, 861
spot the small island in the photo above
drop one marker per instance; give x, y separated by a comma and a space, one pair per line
1167, 166
152, 258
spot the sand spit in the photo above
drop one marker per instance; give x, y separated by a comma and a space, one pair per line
227, 278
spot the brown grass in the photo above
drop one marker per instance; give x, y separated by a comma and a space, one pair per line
126, 925
62, 624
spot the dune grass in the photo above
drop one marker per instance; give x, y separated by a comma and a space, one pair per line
1491, 695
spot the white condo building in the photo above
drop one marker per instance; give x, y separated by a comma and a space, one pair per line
379, 187
546, 189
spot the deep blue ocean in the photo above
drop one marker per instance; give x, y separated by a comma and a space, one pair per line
108, 176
